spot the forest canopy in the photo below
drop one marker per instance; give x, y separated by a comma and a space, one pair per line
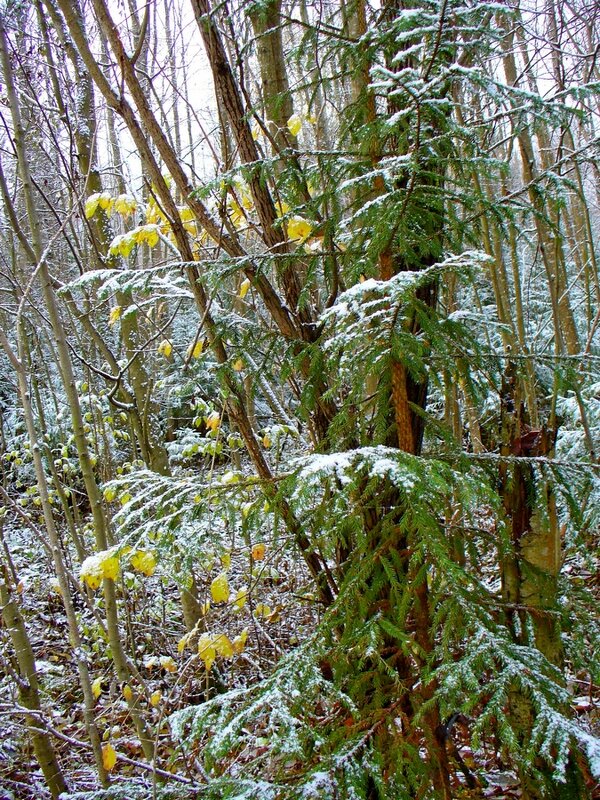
299, 399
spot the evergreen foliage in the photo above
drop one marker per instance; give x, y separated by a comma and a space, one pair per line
367, 341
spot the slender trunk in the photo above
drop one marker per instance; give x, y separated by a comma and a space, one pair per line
69, 384
28, 688
275, 88
549, 240
530, 574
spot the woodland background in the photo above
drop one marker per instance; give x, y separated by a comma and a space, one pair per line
299, 399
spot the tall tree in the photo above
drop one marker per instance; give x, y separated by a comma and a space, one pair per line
376, 357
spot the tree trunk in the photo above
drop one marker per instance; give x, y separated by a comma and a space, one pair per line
28, 688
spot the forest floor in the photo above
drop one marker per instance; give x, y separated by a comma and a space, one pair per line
280, 614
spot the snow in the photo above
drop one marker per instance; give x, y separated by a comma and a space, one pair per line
379, 461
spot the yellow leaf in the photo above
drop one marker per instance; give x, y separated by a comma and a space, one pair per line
122, 245
110, 567
101, 565
238, 365
91, 573
127, 692
182, 643
168, 664
235, 213
195, 351
110, 494
256, 132
298, 228
114, 315
206, 651
258, 552
267, 440
125, 205
219, 589
241, 598
152, 238
148, 234
246, 199
97, 688
226, 560
126, 245
105, 202
240, 641
223, 646
124, 498
244, 286
165, 348
282, 208
91, 204
109, 756
143, 561
261, 610
155, 698
213, 421
186, 214
154, 214
294, 124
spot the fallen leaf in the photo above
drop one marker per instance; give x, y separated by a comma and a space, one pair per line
109, 756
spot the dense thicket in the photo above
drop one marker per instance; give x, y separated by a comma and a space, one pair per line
300, 399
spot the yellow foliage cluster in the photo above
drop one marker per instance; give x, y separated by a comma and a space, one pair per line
104, 564
123, 244
143, 561
124, 204
155, 216
211, 646
99, 200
